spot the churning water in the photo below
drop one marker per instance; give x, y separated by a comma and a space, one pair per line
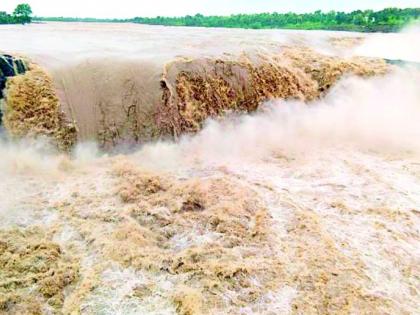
301, 207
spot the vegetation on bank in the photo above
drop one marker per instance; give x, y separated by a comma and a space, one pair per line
387, 20
21, 15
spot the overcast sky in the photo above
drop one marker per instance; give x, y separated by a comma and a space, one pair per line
131, 8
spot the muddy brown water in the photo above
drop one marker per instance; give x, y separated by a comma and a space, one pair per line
292, 209
124, 84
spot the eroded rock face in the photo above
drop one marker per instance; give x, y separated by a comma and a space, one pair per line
9, 67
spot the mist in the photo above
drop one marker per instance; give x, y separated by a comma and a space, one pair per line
306, 204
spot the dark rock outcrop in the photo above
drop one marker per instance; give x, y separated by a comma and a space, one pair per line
9, 67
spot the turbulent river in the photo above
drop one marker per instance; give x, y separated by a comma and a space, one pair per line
161, 170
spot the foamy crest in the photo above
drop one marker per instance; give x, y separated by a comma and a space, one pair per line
378, 114
296, 208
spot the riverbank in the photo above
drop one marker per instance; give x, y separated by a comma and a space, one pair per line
387, 20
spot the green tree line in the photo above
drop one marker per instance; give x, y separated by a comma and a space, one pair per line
387, 20
21, 15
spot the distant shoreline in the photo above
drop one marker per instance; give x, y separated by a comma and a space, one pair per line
387, 20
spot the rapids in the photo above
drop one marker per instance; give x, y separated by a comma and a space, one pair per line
122, 85
303, 205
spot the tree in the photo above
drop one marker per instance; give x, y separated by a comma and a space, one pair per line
22, 13
5, 18
387, 20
